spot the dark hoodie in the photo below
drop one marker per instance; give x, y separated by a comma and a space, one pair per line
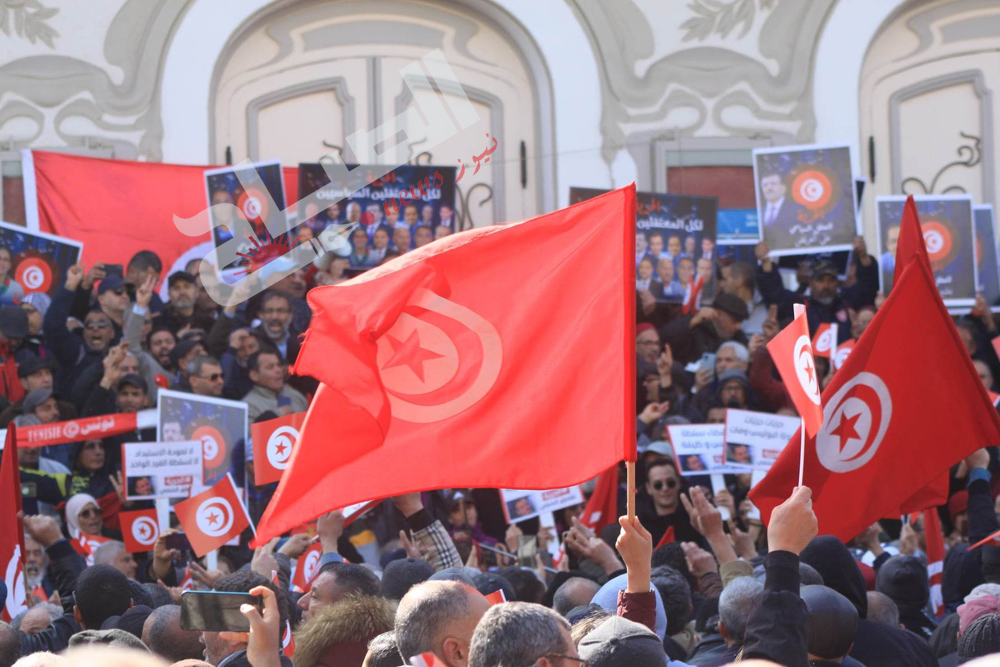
875, 645
904, 579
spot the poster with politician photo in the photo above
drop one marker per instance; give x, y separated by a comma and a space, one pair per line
257, 192
946, 221
219, 424
33, 262
986, 256
805, 198
407, 208
675, 248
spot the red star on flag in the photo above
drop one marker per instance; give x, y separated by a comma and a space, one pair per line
410, 353
845, 429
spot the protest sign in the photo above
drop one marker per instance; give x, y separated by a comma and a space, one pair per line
250, 189
757, 438
805, 198
161, 469
986, 256
738, 226
520, 505
698, 449
38, 262
416, 198
674, 243
220, 425
947, 224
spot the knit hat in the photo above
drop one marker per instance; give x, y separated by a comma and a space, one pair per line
733, 374
402, 575
13, 322
32, 364
833, 622
489, 582
982, 637
40, 301
904, 579
34, 399
619, 642
731, 305
958, 503
970, 611
643, 328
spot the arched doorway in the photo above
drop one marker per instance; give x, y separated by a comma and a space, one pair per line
298, 78
927, 112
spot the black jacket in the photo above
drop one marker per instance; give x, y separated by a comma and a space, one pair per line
688, 344
875, 645
777, 626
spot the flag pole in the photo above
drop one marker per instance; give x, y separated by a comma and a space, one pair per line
630, 468
802, 448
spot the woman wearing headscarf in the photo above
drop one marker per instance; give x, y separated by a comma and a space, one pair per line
90, 474
85, 525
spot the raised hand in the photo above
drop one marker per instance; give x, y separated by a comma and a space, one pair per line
163, 557
74, 275
264, 639
295, 545
144, 292
635, 545
793, 523
699, 561
263, 560
653, 411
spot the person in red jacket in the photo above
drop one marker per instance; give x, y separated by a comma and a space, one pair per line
13, 328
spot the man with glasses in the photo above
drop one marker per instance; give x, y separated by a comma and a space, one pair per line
73, 354
206, 377
661, 507
113, 299
522, 633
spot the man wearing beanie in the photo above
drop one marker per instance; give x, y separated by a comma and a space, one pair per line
619, 642
832, 625
904, 579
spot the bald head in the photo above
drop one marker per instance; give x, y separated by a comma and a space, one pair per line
881, 609
439, 616
163, 635
574, 592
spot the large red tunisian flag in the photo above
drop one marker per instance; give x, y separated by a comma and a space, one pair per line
498, 357
11, 537
888, 429
792, 353
84, 199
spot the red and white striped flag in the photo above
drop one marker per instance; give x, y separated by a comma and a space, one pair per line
935, 558
426, 660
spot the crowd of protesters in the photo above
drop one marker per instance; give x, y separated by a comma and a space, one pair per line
412, 575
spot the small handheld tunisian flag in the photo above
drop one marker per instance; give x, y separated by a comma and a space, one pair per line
273, 441
825, 341
213, 517
11, 536
791, 351
306, 568
886, 417
935, 558
602, 507
140, 530
441, 346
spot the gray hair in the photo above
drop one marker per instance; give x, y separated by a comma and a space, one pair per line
882, 609
983, 590
735, 604
195, 365
54, 612
382, 651
424, 612
740, 350
676, 594
516, 634
107, 552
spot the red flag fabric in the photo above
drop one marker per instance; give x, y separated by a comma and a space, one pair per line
273, 441
791, 351
213, 517
886, 417
81, 198
86, 545
74, 430
690, 306
602, 507
11, 535
496, 597
911, 240
843, 352
935, 558
426, 660
306, 568
140, 530
668, 538
440, 347
824, 343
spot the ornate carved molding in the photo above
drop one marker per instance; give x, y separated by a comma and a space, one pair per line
17, 20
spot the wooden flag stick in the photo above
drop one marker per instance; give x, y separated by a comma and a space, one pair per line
802, 450
630, 468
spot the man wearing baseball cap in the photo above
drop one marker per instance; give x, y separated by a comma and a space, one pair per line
826, 300
691, 336
34, 373
182, 308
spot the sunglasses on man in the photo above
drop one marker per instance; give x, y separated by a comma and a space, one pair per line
660, 483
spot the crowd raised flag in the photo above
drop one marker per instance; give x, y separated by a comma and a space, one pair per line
439, 348
11, 536
213, 517
140, 530
273, 441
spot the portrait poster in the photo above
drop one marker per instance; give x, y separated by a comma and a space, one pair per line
219, 424
986, 256
756, 439
675, 244
806, 198
948, 228
161, 469
38, 262
698, 449
257, 192
520, 505
407, 208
